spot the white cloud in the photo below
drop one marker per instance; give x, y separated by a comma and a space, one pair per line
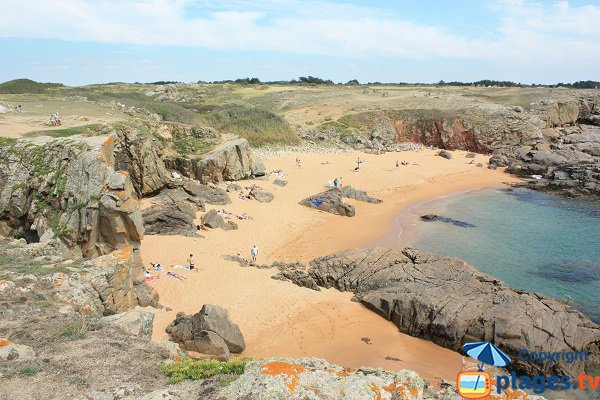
528, 32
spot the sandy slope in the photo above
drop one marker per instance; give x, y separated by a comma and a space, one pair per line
279, 318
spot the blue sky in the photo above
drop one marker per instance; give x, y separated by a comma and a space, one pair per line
84, 41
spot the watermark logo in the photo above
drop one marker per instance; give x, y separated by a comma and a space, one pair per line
474, 385
478, 384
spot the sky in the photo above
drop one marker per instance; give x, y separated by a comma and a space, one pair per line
79, 42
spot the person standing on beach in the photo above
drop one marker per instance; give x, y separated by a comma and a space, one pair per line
254, 252
191, 262
358, 163
397, 165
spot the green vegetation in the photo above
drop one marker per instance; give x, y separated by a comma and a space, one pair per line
22, 86
202, 369
89, 129
29, 371
60, 230
5, 142
187, 143
74, 330
260, 127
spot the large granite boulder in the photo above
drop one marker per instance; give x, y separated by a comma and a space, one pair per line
329, 201
212, 219
186, 329
170, 219
233, 160
205, 193
135, 322
261, 196
360, 195
449, 302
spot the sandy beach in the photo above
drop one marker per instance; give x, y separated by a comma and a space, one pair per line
281, 319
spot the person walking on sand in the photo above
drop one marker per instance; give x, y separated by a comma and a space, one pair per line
397, 165
298, 163
191, 262
254, 253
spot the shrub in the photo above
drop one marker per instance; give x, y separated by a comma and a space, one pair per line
260, 127
202, 369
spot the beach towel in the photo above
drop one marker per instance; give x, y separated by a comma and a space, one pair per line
317, 202
186, 267
152, 278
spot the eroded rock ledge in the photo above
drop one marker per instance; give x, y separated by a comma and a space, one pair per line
449, 302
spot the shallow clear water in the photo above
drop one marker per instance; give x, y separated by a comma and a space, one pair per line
528, 239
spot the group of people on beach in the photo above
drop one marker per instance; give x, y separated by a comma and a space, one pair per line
189, 266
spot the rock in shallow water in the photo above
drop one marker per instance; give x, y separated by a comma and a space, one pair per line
447, 301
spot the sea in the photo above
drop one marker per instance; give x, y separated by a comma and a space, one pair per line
530, 240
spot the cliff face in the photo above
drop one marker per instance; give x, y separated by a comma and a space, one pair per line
70, 190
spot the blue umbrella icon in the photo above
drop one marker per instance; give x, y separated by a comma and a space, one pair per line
487, 353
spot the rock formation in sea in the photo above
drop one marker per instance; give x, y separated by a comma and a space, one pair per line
449, 302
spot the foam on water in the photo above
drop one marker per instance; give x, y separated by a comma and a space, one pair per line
530, 240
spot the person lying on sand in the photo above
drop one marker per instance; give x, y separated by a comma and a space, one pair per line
175, 276
202, 227
156, 266
244, 216
324, 162
244, 196
224, 214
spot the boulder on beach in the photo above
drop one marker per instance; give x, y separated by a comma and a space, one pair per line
207, 194
449, 302
170, 219
280, 182
206, 331
212, 219
444, 153
261, 195
329, 201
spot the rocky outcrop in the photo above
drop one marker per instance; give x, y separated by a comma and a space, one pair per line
311, 378
360, 195
108, 284
568, 164
135, 322
329, 201
69, 189
446, 301
231, 161
209, 331
205, 193
140, 155
170, 219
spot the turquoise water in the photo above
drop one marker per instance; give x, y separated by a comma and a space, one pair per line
530, 240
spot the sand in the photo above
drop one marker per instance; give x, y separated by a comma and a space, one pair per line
281, 319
